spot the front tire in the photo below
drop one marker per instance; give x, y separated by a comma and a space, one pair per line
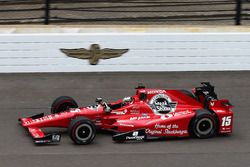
203, 126
82, 131
62, 104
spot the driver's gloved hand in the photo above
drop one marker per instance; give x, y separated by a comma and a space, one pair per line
107, 109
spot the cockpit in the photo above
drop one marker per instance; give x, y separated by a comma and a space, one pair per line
125, 101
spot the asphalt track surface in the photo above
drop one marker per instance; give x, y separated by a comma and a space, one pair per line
28, 94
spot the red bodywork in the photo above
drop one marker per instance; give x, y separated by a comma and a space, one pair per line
139, 114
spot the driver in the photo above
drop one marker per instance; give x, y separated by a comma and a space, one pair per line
125, 101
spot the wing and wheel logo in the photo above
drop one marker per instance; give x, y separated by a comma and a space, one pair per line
94, 53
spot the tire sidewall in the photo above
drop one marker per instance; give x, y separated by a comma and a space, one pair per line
74, 127
197, 119
62, 101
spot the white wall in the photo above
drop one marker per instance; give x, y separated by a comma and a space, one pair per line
148, 52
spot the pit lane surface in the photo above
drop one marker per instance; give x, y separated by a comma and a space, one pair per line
28, 94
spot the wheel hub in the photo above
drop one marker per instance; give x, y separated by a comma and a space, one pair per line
204, 126
83, 132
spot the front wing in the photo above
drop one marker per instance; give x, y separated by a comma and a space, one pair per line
37, 134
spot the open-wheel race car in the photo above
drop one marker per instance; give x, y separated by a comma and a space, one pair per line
149, 114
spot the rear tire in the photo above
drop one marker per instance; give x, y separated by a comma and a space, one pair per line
62, 104
82, 131
203, 125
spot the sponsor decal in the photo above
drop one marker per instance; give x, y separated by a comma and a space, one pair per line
56, 137
156, 91
74, 110
135, 136
182, 113
135, 110
41, 141
127, 125
166, 116
153, 132
226, 121
27, 122
139, 118
220, 110
175, 132
169, 126
45, 118
120, 112
169, 129
94, 53
212, 104
162, 104
226, 129
142, 91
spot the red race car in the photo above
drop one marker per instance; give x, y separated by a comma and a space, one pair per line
149, 114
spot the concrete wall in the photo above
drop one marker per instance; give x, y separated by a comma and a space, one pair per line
148, 52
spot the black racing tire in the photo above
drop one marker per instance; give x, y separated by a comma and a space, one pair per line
188, 93
82, 131
62, 104
203, 125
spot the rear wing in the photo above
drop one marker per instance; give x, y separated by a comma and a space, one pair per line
205, 93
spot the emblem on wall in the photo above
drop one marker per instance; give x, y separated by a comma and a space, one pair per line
94, 53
